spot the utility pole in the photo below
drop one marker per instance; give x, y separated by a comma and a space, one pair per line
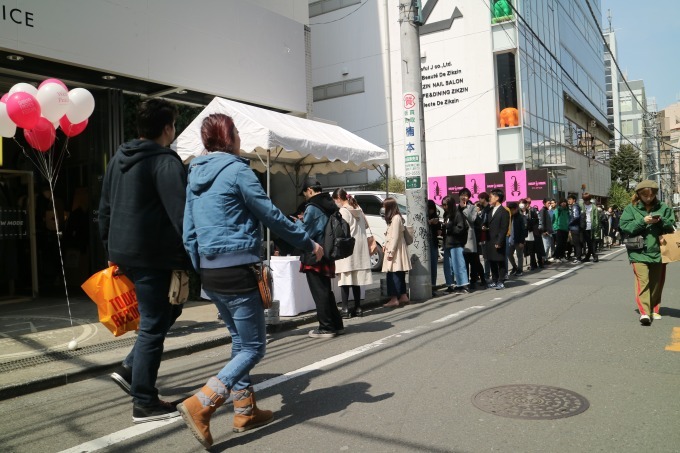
414, 150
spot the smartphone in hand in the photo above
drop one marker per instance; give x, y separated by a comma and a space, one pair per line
656, 217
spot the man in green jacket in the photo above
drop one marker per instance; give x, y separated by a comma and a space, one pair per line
590, 225
649, 218
561, 227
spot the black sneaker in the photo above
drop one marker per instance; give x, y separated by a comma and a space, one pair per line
162, 410
318, 333
123, 377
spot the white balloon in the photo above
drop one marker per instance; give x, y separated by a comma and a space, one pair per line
73, 345
82, 105
25, 87
7, 126
54, 101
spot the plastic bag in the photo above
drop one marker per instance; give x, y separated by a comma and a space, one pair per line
116, 300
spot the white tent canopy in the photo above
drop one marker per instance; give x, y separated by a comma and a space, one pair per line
293, 144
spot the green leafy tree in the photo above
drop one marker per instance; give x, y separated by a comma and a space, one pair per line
619, 195
626, 166
397, 185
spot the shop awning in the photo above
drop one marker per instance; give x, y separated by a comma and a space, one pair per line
292, 144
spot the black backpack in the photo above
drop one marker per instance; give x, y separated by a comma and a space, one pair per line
338, 243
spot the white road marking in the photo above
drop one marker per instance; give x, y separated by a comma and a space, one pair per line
573, 269
143, 428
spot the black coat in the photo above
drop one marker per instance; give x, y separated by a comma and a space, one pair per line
498, 231
456, 230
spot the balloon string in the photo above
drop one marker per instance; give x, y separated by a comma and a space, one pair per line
61, 259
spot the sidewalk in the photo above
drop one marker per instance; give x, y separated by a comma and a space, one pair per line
34, 337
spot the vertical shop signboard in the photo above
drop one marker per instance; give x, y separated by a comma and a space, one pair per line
476, 183
537, 186
515, 185
495, 181
412, 133
454, 185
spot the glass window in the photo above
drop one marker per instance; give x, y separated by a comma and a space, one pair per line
507, 80
627, 127
370, 204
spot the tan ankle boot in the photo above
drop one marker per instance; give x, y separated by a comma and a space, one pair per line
246, 413
197, 410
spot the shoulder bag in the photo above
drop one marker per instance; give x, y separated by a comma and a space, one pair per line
179, 287
265, 280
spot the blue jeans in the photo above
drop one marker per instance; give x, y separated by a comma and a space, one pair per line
396, 283
434, 260
157, 315
458, 265
244, 317
448, 268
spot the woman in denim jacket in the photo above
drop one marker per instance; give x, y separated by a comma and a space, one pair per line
225, 205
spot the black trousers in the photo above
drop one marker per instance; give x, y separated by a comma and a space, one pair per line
498, 271
474, 267
324, 299
576, 243
589, 244
561, 247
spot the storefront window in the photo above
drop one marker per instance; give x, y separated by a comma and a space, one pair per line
507, 89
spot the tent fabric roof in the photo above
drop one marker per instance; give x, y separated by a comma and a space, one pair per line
294, 142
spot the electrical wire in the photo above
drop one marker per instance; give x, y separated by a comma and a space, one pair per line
341, 18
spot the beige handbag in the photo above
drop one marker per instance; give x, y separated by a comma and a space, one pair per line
179, 287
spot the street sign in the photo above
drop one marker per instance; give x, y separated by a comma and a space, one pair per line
412, 151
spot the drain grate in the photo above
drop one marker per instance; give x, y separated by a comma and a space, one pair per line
530, 402
51, 356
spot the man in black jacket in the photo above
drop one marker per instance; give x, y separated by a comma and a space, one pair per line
141, 211
498, 224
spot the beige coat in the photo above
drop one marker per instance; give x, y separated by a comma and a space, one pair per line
360, 258
395, 247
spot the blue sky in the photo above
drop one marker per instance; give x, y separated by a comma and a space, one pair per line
647, 37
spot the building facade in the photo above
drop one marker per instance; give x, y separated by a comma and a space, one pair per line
669, 126
612, 80
500, 92
253, 51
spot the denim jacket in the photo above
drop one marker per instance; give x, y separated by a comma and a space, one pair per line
574, 217
225, 205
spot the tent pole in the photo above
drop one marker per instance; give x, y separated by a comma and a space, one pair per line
269, 233
387, 180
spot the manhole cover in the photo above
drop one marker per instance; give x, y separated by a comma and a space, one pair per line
531, 402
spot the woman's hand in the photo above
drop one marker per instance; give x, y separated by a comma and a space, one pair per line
318, 251
650, 220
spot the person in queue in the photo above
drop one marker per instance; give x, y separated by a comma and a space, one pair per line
435, 229
355, 270
396, 262
649, 218
497, 227
473, 266
225, 205
448, 265
319, 272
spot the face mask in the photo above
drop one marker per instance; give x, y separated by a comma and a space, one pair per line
522, 205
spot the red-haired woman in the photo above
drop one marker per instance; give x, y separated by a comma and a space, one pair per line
396, 262
224, 208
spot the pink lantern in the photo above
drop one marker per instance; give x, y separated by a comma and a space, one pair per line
70, 129
42, 136
57, 81
23, 109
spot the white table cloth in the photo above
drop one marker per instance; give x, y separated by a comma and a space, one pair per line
290, 286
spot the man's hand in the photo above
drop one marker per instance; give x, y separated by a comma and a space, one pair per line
116, 271
318, 251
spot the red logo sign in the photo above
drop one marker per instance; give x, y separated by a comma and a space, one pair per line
409, 101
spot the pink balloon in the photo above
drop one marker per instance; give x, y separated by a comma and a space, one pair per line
57, 81
42, 136
23, 109
4, 97
70, 129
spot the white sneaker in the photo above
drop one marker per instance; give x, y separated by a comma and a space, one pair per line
645, 320
656, 316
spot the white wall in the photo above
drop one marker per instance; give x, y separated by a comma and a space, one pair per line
235, 49
460, 137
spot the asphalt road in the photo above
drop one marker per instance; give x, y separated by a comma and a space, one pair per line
404, 380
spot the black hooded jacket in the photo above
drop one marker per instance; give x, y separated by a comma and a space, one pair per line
141, 208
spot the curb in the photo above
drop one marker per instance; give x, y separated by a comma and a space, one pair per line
63, 378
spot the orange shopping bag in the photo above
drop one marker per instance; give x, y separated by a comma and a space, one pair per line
116, 300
